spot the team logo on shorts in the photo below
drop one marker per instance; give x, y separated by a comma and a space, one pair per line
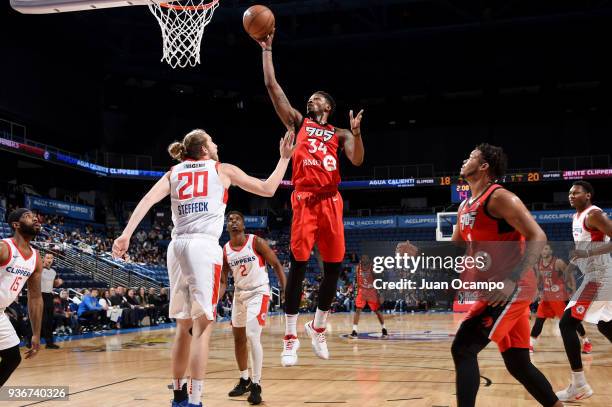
580, 309
329, 163
554, 288
263, 316
485, 260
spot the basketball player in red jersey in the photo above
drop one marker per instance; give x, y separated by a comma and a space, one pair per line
366, 295
494, 214
557, 283
19, 263
316, 202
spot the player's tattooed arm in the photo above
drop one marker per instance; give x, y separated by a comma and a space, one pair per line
268, 254
290, 117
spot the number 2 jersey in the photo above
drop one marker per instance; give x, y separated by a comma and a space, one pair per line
248, 267
198, 199
315, 159
14, 273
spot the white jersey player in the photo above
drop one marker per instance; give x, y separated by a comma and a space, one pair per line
198, 190
19, 263
245, 256
592, 302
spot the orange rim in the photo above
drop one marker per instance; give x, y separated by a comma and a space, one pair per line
190, 8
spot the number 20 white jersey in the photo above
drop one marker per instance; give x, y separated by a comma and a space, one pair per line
198, 198
14, 273
248, 267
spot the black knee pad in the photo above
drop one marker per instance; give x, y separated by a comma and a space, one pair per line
10, 357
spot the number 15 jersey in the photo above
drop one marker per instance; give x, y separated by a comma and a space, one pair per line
315, 159
198, 199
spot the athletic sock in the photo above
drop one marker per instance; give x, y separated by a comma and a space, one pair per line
291, 324
320, 320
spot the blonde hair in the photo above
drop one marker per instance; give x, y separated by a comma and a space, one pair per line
190, 147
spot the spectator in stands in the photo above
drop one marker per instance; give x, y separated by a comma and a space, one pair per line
154, 301
145, 304
61, 321
89, 308
137, 310
164, 303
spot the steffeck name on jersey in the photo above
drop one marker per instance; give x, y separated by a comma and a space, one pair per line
192, 207
194, 165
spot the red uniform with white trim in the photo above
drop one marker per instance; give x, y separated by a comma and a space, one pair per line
317, 205
592, 301
194, 256
366, 293
13, 276
251, 284
502, 246
554, 293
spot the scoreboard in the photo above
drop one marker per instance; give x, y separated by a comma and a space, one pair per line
460, 192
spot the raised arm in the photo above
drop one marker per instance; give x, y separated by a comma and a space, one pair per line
262, 248
351, 140
290, 117
267, 188
159, 191
35, 307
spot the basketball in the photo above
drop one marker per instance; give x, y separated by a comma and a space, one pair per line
258, 22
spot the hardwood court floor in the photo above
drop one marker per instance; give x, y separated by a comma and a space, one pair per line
133, 369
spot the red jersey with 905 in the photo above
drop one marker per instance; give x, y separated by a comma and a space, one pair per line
315, 159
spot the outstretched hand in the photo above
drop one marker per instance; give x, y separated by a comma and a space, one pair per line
286, 145
267, 42
355, 121
120, 246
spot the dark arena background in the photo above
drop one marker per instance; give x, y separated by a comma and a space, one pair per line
87, 111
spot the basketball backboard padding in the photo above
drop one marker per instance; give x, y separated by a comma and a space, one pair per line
65, 6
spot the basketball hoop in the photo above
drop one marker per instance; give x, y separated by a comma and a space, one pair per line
182, 25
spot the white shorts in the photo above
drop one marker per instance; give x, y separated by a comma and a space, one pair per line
8, 336
592, 301
194, 269
248, 305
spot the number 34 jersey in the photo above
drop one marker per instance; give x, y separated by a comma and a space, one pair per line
198, 199
248, 267
315, 159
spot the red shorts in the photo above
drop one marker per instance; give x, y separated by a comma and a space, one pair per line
507, 326
367, 297
551, 309
317, 218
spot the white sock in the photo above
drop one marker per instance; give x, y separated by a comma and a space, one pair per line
383, 325
320, 319
585, 340
184, 380
254, 337
578, 379
177, 384
533, 341
244, 374
291, 324
354, 327
195, 391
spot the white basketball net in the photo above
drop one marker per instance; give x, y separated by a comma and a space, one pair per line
182, 25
